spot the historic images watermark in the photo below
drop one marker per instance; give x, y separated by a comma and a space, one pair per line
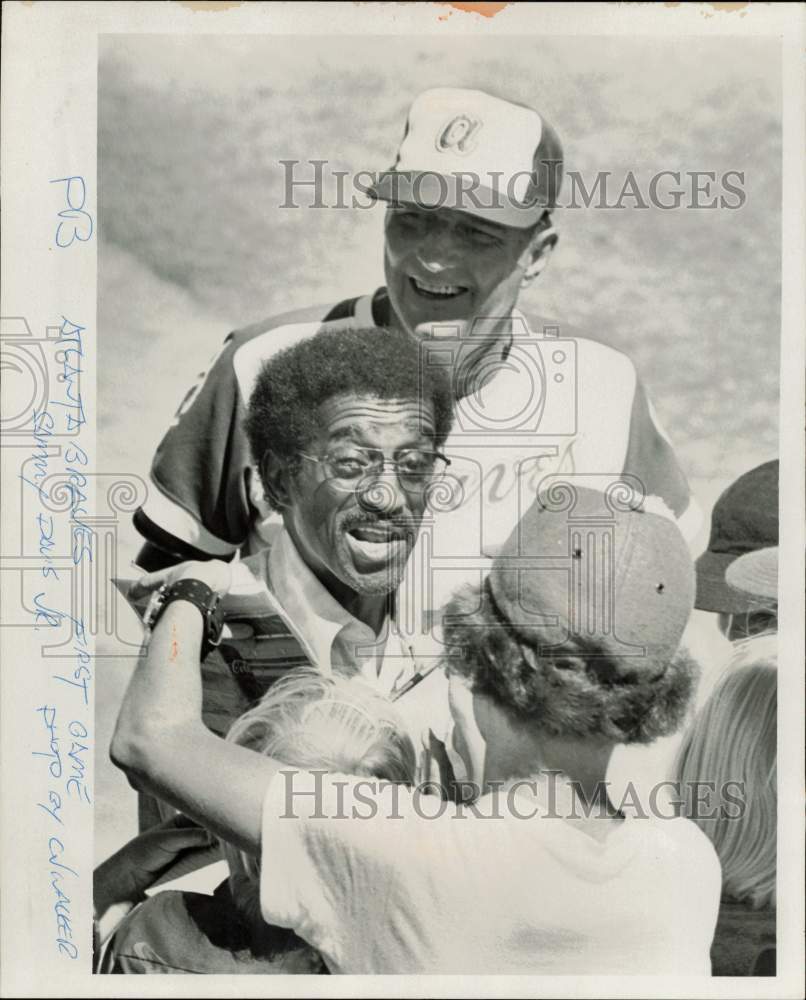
316, 184
552, 796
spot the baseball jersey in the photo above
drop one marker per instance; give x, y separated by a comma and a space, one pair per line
555, 405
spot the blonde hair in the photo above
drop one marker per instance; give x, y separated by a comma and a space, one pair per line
733, 739
312, 721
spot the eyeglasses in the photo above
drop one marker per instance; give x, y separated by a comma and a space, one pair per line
415, 469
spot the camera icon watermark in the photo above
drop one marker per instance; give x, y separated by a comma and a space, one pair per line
507, 379
32, 367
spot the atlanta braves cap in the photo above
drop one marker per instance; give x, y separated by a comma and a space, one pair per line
609, 571
470, 151
745, 518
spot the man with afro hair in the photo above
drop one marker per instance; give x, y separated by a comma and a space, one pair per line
346, 432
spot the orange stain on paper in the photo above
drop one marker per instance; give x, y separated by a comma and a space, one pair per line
485, 9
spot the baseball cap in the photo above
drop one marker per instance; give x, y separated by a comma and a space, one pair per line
756, 574
744, 519
600, 568
470, 151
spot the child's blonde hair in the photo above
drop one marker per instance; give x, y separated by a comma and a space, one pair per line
733, 739
312, 721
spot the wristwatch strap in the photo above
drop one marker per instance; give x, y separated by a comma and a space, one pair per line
201, 596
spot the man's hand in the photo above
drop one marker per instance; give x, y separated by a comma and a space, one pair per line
136, 867
215, 573
120, 882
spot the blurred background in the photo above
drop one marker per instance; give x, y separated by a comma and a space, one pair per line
193, 242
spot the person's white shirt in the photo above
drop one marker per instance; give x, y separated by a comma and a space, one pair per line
438, 890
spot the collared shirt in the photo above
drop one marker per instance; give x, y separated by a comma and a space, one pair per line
333, 638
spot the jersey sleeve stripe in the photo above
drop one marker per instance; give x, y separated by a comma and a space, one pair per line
176, 521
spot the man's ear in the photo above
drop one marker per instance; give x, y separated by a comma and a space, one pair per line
275, 477
537, 253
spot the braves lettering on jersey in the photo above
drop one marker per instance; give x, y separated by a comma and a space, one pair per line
566, 405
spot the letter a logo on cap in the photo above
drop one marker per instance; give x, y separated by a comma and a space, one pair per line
458, 133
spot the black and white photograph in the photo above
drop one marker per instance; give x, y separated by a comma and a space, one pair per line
399, 539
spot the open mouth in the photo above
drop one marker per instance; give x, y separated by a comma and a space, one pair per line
376, 543
433, 291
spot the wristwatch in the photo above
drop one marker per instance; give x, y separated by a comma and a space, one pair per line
198, 594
